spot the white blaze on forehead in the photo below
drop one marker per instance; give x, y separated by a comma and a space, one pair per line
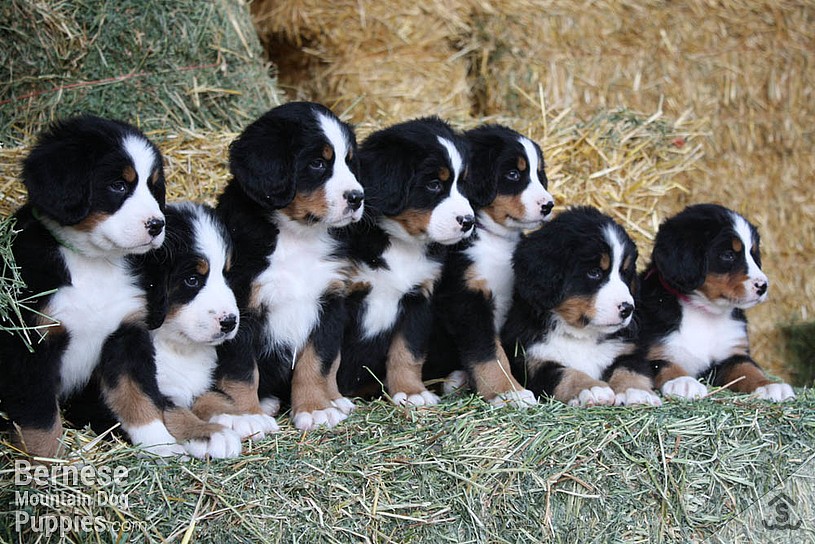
745, 234
210, 242
142, 155
615, 292
535, 195
336, 135
456, 161
532, 158
342, 180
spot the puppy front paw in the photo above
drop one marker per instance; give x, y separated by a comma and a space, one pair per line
684, 387
637, 396
270, 406
422, 398
166, 450
328, 417
223, 444
255, 426
454, 381
515, 399
597, 395
776, 392
343, 404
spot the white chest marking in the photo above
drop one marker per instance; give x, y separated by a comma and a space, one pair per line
299, 271
580, 353
492, 262
703, 339
183, 372
102, 293
408, 267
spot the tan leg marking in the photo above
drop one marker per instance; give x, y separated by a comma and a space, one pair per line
184, 425
623, 379
39, 442
667, 372
753, 376
309, 390
212, 404
243, 394
493, 378
404, 371
130, 404
572, 382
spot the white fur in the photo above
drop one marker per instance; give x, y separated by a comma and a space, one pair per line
154, 438
755, 276
223, 444
534, 196
574, 348
455, 381
183, 371
776, 392
423, 398
443, 226
684, 387
342, 179
515, 399
637, 396
614, 292
101, 294
253, 426
703, 338
597, 395
491, 255
343, 404
308, 421
408, 268
270, 406
299, 271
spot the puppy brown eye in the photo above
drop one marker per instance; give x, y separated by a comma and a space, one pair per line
513, 175
434, 186
118, 187
728, 256
192, 282
317, 164
595, 273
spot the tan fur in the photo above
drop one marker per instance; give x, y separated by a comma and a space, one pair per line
726, 286
576, 310
753, 377
414, 222
572, 382
39, 442
476, 283
184, 425
91, 221
130, 403
493, 378
522, 163
129, 174
668, 372
309, 387
623, 379
506, 207
605, 261
328, 152
202, 266
404, 371
307, 205
243, 394
213, 403
444, 173
154, 177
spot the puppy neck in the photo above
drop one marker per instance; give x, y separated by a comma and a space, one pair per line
292, 227
487, 225
694, 301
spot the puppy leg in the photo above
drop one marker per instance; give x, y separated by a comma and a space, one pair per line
404, 376
217, 407
494, 381
311, 404
632, 387
200, 438
243, 414
343, 404
751, 379
577, 388
672, 380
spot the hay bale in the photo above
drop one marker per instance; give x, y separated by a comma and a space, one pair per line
161, 65
385, 60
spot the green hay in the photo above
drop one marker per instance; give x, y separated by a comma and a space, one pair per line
799, 341
188, 64
463, 472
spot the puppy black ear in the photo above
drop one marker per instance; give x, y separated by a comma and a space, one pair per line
261, 161
386, 169
680, 253
481, 184
539, 272
155, 276
57, 174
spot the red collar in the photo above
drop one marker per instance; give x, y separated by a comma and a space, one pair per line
671, 291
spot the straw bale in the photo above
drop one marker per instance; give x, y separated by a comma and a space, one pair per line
390, 60
180, 64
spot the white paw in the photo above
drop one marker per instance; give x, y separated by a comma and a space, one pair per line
776, 392
166, 450
248, 425
329, 417
684, 387
220, 445
344, 405
270, 406
456, 380
515, 399
594, 396
425, 398
637, 396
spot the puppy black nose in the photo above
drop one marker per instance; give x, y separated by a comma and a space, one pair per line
354, 199
761, 287
229, 323
626, 309
154, 226
546, 209
466, 222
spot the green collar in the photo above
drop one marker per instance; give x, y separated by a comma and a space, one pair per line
59, 240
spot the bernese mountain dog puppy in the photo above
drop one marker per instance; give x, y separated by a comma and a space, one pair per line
413, 174
508, 189
705, 272
293, 184
570, 332
95, 197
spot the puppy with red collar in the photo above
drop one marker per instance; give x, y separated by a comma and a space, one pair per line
705, 272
